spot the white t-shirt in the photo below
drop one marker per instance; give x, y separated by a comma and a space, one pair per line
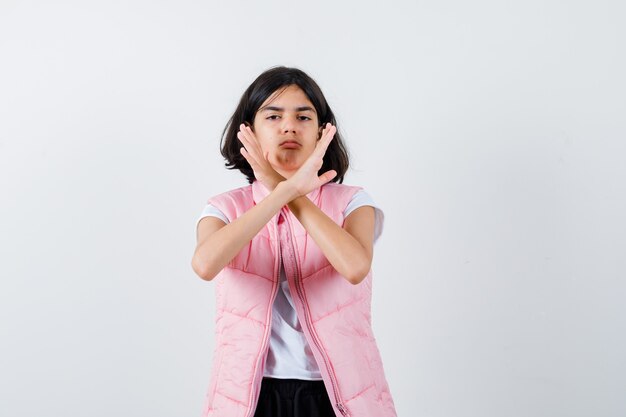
289, 354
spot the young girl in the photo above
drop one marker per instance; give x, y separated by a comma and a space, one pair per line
291, 255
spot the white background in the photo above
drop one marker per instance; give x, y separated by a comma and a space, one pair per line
491, 133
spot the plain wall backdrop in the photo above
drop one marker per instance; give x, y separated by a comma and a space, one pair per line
492, 134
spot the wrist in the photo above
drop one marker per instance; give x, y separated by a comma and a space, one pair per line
275, 180
286, 188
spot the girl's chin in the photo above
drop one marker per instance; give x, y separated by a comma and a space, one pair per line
287, 164
283, 168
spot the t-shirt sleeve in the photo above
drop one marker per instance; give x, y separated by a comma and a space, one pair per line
362, 198
211, 210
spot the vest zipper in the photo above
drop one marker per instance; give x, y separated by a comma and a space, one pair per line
254, 393
309, 323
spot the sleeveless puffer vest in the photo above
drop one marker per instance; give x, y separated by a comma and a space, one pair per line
334, 314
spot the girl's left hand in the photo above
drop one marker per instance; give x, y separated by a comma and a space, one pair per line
305, 179
263, 170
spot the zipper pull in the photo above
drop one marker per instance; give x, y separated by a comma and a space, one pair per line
343, 410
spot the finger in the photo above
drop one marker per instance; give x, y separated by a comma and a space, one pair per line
251, 139
328, 132
247, 130
253, 147
245, 154
242, 134
242, 137
247, 143
327, 176
323, 143
328, 126
253, 163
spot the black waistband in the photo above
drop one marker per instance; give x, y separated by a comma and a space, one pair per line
288, 387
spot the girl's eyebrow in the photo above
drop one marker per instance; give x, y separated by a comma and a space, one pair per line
274, 108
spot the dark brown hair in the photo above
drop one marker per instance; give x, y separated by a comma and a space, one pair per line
264, 86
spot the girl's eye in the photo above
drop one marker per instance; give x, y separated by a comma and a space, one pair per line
275, 115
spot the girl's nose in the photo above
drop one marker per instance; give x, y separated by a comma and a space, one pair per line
288, 125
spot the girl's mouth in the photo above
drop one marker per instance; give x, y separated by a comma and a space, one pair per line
290, 145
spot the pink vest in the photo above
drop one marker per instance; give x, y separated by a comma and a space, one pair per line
334, 314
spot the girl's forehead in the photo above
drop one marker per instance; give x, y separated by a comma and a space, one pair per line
289, 93
296, 103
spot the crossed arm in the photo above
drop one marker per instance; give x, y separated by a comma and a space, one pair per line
349, 249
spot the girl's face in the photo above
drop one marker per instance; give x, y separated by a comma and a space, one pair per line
287, 129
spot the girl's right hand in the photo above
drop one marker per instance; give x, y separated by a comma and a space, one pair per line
263, 170
305, 178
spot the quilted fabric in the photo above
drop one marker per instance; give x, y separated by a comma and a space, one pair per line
335, 314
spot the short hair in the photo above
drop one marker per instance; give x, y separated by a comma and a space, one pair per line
264, 86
